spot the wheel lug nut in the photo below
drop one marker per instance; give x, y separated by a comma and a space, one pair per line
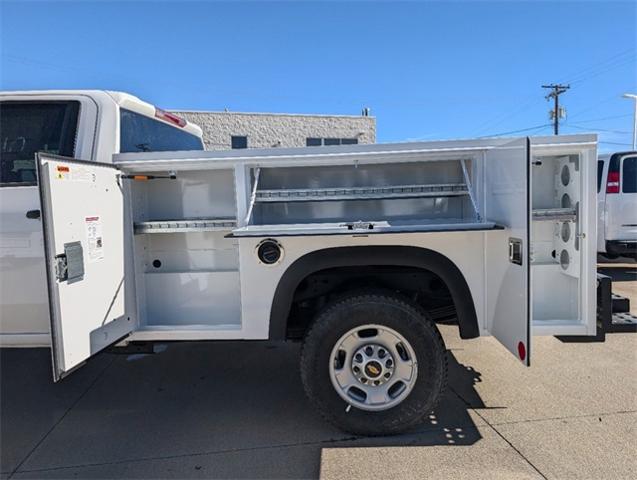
364, 380
388, 363
387, 375
357, 370
381, 353
358, 358
369, 351
376, 382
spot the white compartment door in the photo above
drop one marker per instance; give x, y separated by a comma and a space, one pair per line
84, 234
507, 202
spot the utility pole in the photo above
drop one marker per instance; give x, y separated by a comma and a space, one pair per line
556, 113
634, 97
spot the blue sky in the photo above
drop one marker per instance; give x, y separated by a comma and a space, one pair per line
427, 70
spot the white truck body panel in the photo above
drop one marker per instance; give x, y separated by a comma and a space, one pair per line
23, 300
196, 274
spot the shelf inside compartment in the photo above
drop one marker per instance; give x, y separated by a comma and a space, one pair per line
554, 214
179, 299
361, 193
186, 225
365, 228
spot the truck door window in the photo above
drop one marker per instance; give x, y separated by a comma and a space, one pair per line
629, 175
30, 127
139, 133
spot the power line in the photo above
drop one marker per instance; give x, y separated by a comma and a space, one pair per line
605, 118
614, 61
516, 131
622, 132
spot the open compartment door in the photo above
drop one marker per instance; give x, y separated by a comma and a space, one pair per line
507, 203
84, 235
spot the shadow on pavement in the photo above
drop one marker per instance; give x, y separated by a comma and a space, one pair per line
196, 410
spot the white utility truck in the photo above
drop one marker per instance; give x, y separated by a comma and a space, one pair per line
353, 249
91, 125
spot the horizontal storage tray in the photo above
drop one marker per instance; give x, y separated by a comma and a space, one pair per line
190, 225
361, 193
362, 228
554, 214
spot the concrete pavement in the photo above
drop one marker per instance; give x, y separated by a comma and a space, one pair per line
238, 411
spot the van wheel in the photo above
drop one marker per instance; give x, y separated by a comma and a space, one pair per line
373, 364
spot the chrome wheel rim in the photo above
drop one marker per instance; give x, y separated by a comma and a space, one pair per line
373, 367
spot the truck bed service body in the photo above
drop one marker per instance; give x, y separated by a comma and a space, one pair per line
356, 250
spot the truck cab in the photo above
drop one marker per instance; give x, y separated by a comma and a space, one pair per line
88, 125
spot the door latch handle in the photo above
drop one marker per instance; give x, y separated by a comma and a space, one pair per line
33, 214
515, 251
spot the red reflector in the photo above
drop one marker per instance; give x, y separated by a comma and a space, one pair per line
521, 351
612, 184
63, 169
170, 117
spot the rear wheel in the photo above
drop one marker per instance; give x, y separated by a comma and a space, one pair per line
373, 364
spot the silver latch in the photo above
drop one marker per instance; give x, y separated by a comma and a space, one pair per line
515, 251
61, 268
360, 225
69, 266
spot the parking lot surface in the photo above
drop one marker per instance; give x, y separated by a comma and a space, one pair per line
237, 410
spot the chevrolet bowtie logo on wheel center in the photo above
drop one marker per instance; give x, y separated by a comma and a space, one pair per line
373, 369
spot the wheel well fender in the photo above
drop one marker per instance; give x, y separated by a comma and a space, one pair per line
418, 257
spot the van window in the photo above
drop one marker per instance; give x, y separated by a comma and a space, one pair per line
30, 127
629, 175
139, 133
600, 172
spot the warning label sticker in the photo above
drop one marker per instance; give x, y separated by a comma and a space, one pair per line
94, 238
63, 172
76, 174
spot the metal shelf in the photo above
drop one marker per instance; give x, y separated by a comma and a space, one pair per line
364, 228
361, 193
554, 214
186, 225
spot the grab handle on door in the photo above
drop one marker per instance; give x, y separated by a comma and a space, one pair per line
515, 251
33, 214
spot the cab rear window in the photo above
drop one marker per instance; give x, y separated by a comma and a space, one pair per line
139, 133
30, 127
629, 175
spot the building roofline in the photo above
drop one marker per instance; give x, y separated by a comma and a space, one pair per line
273, 114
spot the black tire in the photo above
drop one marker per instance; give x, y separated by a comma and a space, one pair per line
408, 320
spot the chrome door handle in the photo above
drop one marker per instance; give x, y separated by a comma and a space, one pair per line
515, 251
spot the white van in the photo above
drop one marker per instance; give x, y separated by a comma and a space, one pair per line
88, 125
617, 204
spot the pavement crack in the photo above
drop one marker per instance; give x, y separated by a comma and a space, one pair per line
196, 454
492, 427
66, 412
566, 417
